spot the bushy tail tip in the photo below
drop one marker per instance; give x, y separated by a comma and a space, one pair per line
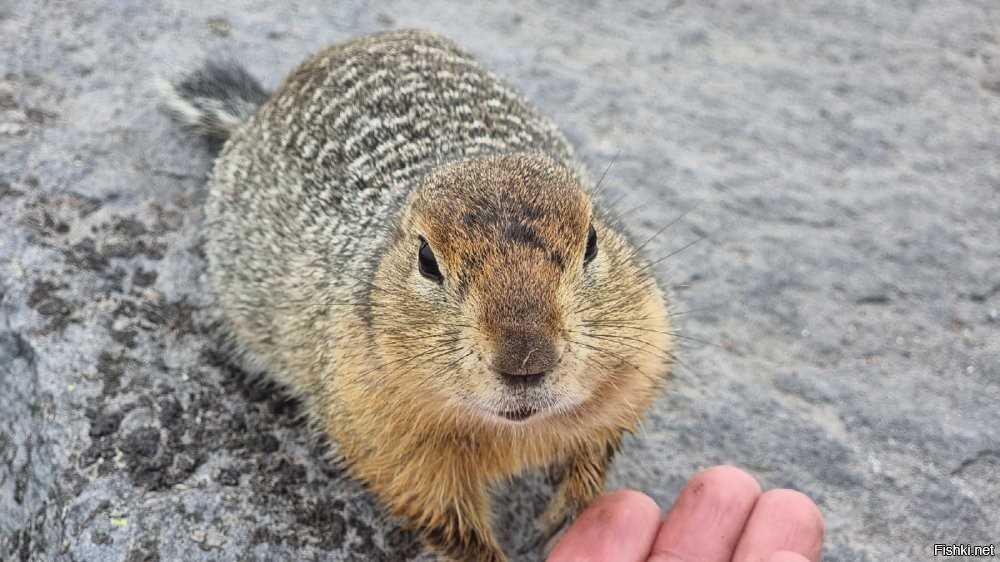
213, 100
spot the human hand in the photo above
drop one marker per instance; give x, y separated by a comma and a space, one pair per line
720, 516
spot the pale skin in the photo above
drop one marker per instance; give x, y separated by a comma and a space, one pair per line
721, 515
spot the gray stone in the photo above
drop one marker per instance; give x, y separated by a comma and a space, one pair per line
843, 160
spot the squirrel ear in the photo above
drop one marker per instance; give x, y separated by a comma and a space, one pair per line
427, 263
591, 252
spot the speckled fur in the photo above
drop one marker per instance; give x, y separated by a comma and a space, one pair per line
317, 207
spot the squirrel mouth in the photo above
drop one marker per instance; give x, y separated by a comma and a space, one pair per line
519, 415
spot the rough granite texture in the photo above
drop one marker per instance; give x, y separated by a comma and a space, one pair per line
842, 159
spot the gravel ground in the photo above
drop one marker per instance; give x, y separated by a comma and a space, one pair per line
841, 159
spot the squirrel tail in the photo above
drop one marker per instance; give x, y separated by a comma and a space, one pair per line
213, 100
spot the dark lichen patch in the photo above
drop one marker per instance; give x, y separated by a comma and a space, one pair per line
170, 445
984, 293
228, 476
125, 337
110, 369
874, 298
258, 390
277, 474
365, 535
264, 443
185, 463
21, 476
170, 414
6, 190
8, 449
27, 543
144, 550
155, 250
51, 216
103, 430
101, 449
104, 424
45, 300
122, 238
164, 452
115, 278
178, 317
127, 237
7, 100
327, 518
120, 247
47, 223
165, 220
403, 544
266, 535
129, 226
155, 463
101, 538
124, 248
40, 116
143, 277
991, 83
84, 255
143, 444
122, 327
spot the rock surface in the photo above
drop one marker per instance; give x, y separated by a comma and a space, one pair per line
843, 160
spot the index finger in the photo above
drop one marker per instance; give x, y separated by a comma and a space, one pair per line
619, 526
707, 519
782, 520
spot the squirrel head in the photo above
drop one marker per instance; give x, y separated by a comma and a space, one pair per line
506, 295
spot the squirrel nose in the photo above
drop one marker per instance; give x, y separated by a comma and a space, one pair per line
524, 357
529, 380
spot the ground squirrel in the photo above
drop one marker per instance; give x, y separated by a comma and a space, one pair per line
414, 251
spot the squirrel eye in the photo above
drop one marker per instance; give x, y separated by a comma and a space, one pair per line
427, 263
591, 251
